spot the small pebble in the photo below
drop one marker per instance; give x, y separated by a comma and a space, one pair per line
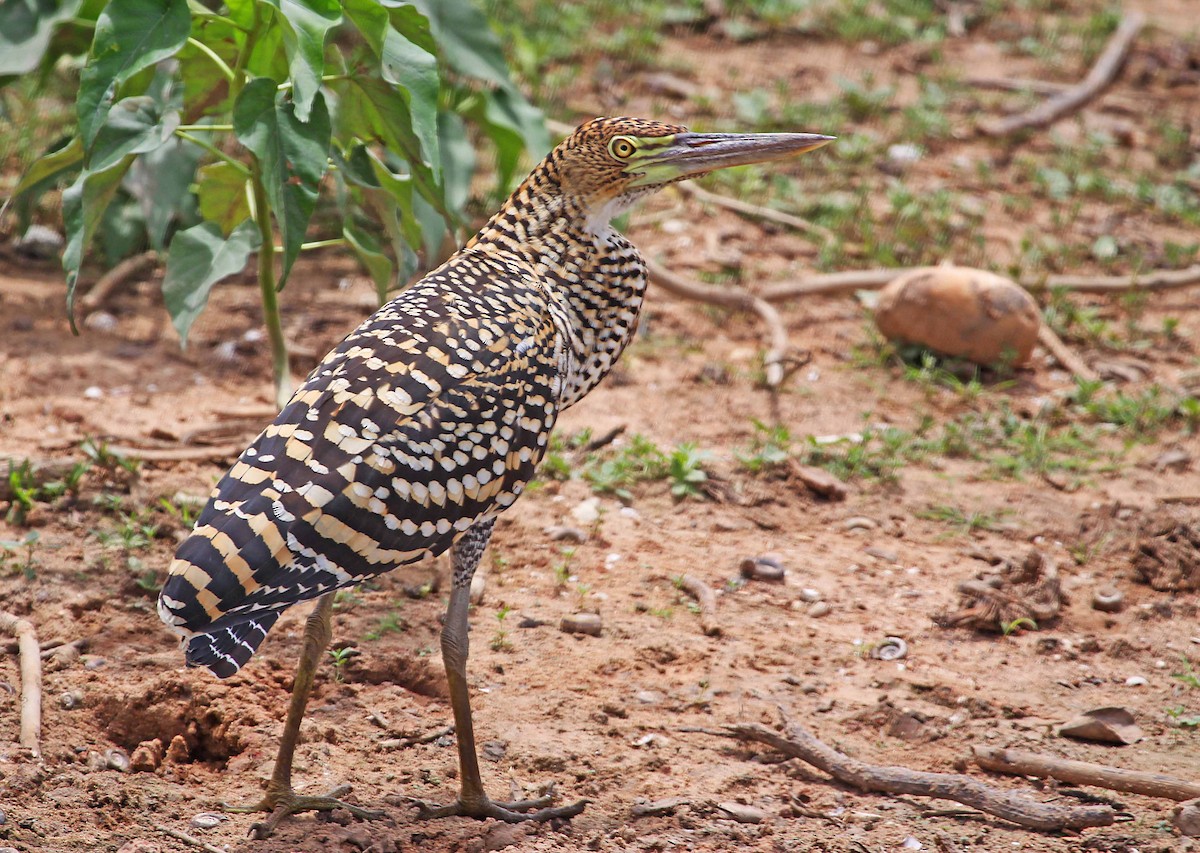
742, 813
95, 663
38, 241
818, 609
566, 533
649, 697
147, 757
93, 392
116, 759
651, 740
904, 153
71, 700
890, 648
860, 522
911, 843
810, 595
1136, 681
766, 567
208, 820
587, 511
883, 554
100, 321
582, 623
1108, 600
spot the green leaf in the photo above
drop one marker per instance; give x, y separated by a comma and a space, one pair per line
292, 156
199, 257
466, 39
161, 182
221, 190
308, 23
378, 265
458, 160
130, 35
84, 203
51, 165
399, 189
506, 109
133, 126
26, 27
407, 65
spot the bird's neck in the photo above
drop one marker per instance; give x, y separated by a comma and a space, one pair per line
594, 277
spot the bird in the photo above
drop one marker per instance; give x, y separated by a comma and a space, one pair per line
428, 421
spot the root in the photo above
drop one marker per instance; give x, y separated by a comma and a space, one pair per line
1070, 100
1009, 805
707, 600
1021, 763
823, 235
1064, 354
31, 680
124, 271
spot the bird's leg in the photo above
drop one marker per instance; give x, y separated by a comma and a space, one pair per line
472, 801
281, 800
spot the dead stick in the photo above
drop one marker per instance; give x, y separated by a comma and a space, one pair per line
1100, 76
833, 284
707, 600
1008, 805
1022, 763
758, 212
178, 454
1064, 355
115, 277
189, 839
31, 680
737, 300
1011, 84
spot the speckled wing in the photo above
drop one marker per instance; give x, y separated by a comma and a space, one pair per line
430, 417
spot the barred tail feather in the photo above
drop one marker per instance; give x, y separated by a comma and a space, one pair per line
226, 651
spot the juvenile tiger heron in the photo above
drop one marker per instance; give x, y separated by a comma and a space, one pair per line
429, 420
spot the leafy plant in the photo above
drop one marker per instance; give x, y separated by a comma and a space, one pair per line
685, 470
500, 641
26, 564
248, 113
769, 447
339, 658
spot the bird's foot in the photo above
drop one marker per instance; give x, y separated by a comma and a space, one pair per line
280, 804
538, 810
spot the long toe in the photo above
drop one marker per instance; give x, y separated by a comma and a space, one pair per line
282, 804
508, 812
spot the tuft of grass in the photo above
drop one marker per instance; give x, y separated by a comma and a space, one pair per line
770, 447
23, 555
685, 469
965, 523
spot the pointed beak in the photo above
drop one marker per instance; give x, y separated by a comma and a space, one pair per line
688, 154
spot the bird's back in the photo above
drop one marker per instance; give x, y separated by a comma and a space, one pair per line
428, 418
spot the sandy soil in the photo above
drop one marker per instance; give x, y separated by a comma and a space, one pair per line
595, 717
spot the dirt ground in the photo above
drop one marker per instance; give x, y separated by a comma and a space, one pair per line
603, 717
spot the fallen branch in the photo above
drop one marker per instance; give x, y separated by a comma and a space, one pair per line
833, 284
1009, 805
178, 454
413, 740
737, 300
1022, 763
1098, 78
745, 208
707, 600
1064, 354
1012, 84
189, 839
31, 680
115, 277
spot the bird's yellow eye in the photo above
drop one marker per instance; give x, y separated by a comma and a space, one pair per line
622, 147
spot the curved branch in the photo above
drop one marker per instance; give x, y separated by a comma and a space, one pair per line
31, 680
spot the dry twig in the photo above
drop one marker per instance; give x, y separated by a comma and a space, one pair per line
1022, 763
1100, 76
115, 277
1064, 354
1009, 805
31, 680
745, 208
737, 300
189, 839
707, 600
178, 454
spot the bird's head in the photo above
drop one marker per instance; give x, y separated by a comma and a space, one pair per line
609, 163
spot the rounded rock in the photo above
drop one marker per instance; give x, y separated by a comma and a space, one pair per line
1108, 600
962, 312
819, 609
71, 700
582, 623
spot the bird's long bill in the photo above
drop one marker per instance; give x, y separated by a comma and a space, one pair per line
688, 154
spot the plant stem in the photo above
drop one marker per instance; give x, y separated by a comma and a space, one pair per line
213, 128
319, 244
239, 68
266, 285
226, 71
213, 150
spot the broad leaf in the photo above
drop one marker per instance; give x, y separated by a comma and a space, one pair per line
466, 39
199, 257
133, 126
161, 181
221, 191
292, 157
378, 265
26, 27
407, 65
130, 35
51, 166
84, 203
308, 23
399, 188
